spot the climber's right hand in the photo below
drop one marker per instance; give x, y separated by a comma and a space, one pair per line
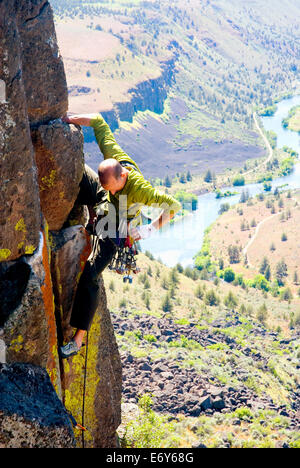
66, 119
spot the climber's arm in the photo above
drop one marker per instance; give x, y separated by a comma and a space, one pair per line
105, 139
103, 133
147, 195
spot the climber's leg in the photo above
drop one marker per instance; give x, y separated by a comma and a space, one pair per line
88, 295
88, 291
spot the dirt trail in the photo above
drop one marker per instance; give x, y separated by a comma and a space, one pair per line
246, 248
269, 147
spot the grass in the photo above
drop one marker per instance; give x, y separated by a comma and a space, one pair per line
188, 308
259, 358
242, 428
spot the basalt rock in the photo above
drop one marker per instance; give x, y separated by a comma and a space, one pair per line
71, 248
60, 163
46, 93
103, 385
20, 215
43, 250
27, 311
31, 414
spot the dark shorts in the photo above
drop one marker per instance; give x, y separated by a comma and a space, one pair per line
88, 291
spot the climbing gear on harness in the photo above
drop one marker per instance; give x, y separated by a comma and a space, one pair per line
124, 260
70, 349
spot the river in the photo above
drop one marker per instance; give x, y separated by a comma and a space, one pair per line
179, 242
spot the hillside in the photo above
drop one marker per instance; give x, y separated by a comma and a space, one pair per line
263, 227
215, 62
217, 371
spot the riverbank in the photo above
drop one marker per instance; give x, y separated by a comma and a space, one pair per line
269, 167
292, 121
184, 241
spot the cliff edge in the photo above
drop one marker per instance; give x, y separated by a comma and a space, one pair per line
43, 251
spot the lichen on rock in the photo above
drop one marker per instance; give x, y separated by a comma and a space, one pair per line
43, 249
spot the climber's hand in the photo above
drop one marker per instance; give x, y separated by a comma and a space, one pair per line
141, 232
81, 120
66, 119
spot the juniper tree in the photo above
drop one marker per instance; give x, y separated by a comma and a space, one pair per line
234, 254
295, 277
281, 272
231, 300
166, 303
262, 314
264, 265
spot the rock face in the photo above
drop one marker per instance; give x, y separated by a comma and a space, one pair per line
31, 415
19, 196
59, 158
37, 33
43, 250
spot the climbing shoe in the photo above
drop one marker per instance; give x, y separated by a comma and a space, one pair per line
70, 349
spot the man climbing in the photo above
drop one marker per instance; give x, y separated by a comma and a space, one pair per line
121, 185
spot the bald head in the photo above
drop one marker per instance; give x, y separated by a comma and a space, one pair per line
112, 175
108, 169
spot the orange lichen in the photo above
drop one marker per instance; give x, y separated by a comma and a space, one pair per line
48, 299
84, 254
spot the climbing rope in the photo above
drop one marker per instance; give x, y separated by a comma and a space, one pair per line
84, 391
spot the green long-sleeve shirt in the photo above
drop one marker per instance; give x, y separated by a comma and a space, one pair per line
138, 191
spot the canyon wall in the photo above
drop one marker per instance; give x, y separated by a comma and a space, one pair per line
146, 95
43, 251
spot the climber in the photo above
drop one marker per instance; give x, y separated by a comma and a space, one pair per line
118, 191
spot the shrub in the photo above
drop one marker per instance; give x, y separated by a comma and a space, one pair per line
262, 314
243, 413
199, 292
122, 303
224, 207
229, 275
148, 430
149, 255
150, 338
238, 181
260, 282
211, 298
189, 201
231, 300
286, 295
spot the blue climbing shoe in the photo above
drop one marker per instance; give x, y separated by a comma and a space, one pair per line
70, 349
